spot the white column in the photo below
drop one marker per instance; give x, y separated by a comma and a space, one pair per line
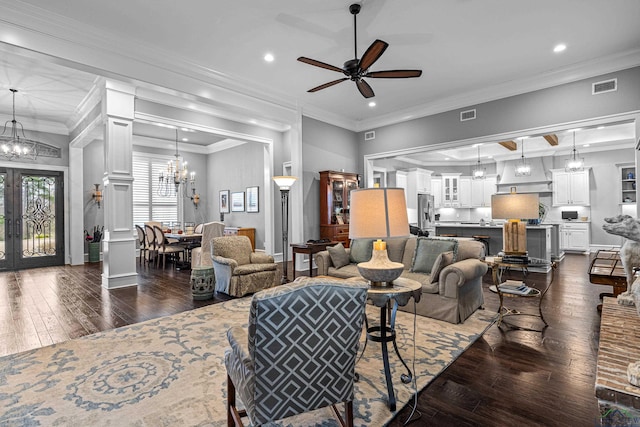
119, 246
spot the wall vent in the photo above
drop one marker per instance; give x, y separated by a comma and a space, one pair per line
604, 86
468, 115
370, 135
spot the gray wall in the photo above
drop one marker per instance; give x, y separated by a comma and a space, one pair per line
324, 147
235, 170
559, 104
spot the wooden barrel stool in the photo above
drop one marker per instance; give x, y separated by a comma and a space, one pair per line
485, 240
202, 283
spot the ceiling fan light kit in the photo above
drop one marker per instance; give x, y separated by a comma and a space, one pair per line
357, 69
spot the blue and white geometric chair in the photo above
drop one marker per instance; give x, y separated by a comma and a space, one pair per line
299, 353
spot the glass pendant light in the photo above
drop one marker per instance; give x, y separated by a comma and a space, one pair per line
479, 172
523, 168
574, 163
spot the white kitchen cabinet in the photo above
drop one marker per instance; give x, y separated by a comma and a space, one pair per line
465, 191
451, 190
575, 236
571, 188
482, 190
418, 182
436, 191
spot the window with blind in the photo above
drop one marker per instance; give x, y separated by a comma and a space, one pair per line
148, 205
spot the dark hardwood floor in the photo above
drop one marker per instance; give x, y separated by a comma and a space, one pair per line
508, 377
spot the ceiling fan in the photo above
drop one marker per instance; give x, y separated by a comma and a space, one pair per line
355, 69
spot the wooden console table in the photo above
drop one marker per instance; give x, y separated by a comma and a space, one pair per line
606, 269
309, 249
242, 231
619, 400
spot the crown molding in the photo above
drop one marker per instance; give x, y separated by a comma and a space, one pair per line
112, 56
556, 77
31, 27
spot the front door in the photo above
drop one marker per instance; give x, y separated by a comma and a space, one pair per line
31, 219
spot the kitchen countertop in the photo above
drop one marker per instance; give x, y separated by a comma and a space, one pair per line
455, 224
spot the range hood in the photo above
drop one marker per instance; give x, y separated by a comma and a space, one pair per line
538, 182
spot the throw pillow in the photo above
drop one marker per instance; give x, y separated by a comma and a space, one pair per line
360, 250
443, 260
427, 250
339, 257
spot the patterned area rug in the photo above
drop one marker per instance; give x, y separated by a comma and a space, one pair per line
170, 372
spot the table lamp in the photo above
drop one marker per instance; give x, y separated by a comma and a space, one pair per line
379, 213
515, 207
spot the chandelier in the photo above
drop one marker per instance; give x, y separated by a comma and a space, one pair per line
12, 146
176, 179
574, 163
523, 168
479, 172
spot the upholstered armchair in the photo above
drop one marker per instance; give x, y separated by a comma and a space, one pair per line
239, 270
201, 256
299, 353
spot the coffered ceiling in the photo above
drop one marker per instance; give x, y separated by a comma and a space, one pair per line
470, 51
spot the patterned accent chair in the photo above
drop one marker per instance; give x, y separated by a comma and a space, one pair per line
299, 353
201, 256
239, 270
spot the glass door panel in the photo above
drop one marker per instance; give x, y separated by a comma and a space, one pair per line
31, 222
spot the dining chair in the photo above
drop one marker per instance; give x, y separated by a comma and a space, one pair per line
142, 243
201, 256
151, 242
163, 248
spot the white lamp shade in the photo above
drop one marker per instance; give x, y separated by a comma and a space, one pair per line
284, 182
378, 213
515, 206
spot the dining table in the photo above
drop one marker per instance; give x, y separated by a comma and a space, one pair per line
189, 242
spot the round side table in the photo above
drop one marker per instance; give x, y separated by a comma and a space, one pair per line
202, 283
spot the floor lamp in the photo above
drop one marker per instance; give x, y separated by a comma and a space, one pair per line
514, 207
285, 183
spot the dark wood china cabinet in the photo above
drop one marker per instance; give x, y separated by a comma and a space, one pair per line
335, 189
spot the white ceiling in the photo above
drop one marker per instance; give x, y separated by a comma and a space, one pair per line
470, 51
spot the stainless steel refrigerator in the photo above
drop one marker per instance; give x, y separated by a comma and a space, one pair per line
426, 211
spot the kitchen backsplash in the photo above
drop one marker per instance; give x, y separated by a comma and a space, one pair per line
554, 214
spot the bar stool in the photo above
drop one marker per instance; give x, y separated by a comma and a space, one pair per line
485, 240
448, 235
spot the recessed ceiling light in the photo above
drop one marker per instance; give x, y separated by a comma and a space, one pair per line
185, 139
574, 130
585, 145
600, 127
559, 47
447, 158
372, 104
269, 57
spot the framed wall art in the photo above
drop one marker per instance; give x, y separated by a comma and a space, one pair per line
224, 201
253, 199
237, 201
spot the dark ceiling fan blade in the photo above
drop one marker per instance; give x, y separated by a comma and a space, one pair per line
319, 64
394, 74
372, 54
365, 89
326, 85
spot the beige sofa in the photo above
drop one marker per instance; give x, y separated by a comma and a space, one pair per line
453, 296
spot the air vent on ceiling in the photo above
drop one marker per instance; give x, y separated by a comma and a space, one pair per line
604, 86
370, 135
468, 115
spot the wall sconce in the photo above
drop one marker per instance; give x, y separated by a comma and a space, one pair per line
195, 198
97, 195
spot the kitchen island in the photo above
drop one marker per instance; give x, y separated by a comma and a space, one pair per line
540, 239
